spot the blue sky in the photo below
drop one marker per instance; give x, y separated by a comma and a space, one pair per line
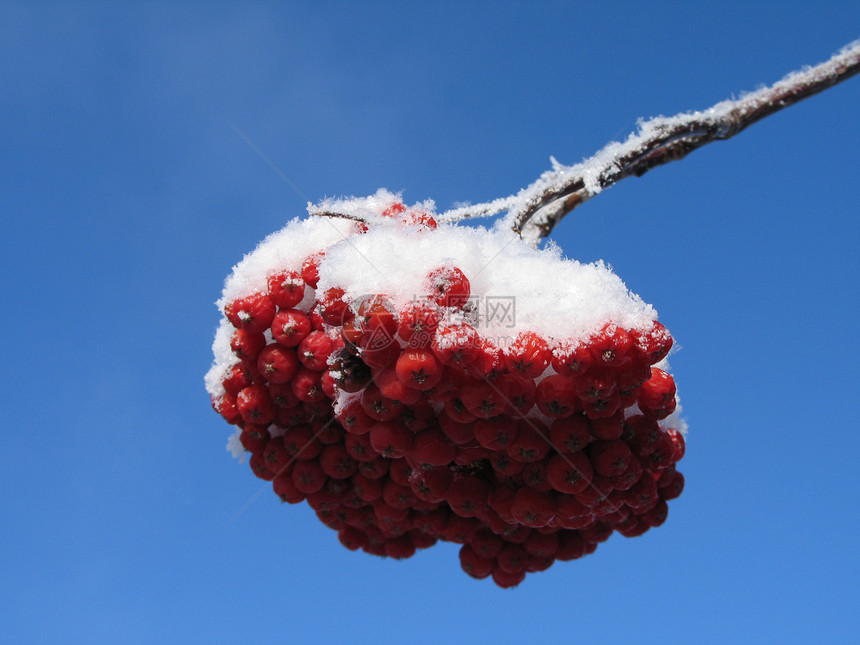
127, 195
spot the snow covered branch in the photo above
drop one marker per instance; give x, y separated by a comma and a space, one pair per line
536, 210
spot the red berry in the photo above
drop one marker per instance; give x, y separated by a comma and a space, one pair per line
602, 408
315, 349
570, 546
349, 372
352, 538
679, 442
417, 323
258, 467
530, 443
572, 359
238, 376
311, 269
308, 476
456, 410
300, 443
306, 385
496, 433
395, 209
482, 398
641, 434
290, 326
569, 434
282, 395
642, 494
633, 373
504, 466
500, 500
397, 495
277, 364
317, 321
597, 492
458, 433
656, 515
377, 406
448, 387
528, 355
328, 385
374, 468
353, 418
418, 416
359, 447
608, 427
542, 545
531, 508
611, 346
377, 313
468, 495
456, 345
556, 396
663, 453
334, 308
392, 387
253, 312
400, 547
658, 413
521, 393
570, 473
378, 349
569, 507
247, 344
486, 544
489, 362
508, 580
420, 219
459, 529
285, 488
336, 462
432, 484
654, 344
625, 480
610, 458
286, 289
475, 565
448, 287
255, 404
598, 384
533, 475
471, 455
275, 455
390, 440
419, 368
368, 490
658, 391
254, 437
672, 487
431, 447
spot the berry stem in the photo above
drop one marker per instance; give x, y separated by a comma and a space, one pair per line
318, 213
537, 209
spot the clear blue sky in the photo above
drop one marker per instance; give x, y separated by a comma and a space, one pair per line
127, 195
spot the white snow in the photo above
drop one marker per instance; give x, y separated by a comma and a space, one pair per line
515, 287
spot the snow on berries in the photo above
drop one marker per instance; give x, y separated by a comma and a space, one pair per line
416, 382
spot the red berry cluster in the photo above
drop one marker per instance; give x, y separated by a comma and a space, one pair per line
431, 438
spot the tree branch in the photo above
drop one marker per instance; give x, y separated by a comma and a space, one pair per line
536, 210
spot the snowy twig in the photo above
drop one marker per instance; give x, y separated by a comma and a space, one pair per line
536, 210
326, 213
